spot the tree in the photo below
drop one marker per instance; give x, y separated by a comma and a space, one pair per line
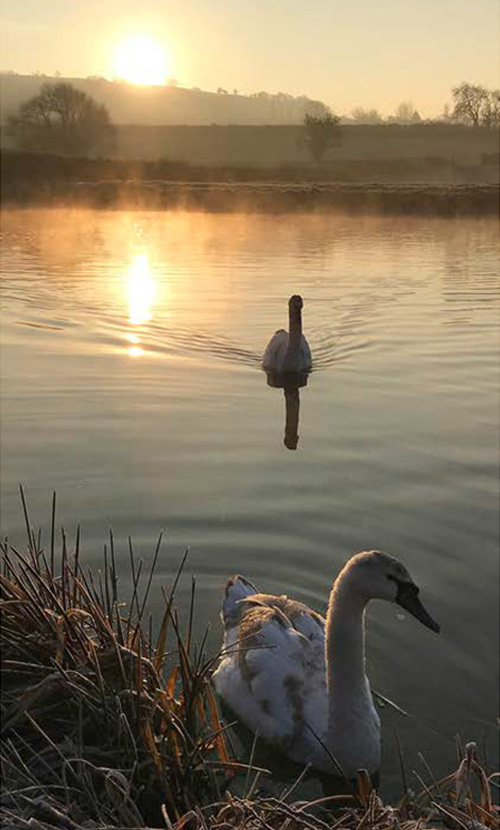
361, 116
63, 120
490, 113
405, 114
321, 133
470, 101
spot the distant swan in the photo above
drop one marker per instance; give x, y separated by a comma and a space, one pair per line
289, 351
290, 675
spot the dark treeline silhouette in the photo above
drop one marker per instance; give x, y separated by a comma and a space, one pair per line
62, 120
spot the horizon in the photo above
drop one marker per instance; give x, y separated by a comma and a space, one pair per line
172, 83
363, 57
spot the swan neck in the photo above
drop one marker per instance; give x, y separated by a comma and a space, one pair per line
295, 324
345, 647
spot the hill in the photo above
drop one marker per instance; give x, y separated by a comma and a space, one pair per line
163, 105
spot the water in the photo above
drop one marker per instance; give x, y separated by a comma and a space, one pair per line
131, 385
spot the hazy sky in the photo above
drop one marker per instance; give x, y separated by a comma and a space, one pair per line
370, 53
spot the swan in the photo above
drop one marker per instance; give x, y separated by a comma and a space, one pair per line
289, 351
298, 680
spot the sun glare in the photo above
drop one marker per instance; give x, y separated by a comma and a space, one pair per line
140, 60
141, 290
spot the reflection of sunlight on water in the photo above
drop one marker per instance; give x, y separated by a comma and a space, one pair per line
135, 351
141, 290
141, 294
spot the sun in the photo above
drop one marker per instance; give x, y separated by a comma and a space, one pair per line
140, 60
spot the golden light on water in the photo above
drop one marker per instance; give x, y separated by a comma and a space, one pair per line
141, 290
141, 294
140, 59
135, 351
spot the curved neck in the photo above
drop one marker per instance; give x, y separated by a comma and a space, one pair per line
345, 651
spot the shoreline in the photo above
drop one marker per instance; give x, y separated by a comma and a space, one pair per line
449, 200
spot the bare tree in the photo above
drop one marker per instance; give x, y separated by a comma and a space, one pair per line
405, 114
321, 133
362, 116
490, 114
63, 120
469, 103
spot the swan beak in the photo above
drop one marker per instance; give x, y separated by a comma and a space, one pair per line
408, 598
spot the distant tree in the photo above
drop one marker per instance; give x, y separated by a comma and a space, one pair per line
321, 133
361, 116
221, 90
62, 120
172, 82
446, 114
405, 114
489, 115
470, 101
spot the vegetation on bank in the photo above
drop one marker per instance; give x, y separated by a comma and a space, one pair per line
105, 725
29, 179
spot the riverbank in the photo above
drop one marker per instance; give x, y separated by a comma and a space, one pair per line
404, 186
259, 197
105, 725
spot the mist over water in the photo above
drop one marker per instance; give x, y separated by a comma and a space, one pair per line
131, 348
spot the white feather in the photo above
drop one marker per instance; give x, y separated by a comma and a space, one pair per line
274, 358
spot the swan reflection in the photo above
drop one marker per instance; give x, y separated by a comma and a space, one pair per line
290, 382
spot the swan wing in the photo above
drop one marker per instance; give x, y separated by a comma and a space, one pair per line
275, 350
272, 674
305, 354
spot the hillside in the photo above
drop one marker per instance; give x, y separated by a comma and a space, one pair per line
163, 105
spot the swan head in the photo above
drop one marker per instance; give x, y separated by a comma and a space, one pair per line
295, 302
376, 575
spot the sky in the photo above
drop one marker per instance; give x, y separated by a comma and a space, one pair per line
347, 53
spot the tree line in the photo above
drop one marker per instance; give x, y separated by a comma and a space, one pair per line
63, 120
473, 105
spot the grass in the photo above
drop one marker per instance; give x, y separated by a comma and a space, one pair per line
104, 725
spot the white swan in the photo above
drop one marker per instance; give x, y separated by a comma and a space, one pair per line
289, 351
290, 675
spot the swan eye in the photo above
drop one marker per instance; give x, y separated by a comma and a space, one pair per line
403, 586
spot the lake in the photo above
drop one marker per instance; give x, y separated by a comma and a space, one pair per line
131, 385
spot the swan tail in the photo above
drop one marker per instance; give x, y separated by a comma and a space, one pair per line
237, 589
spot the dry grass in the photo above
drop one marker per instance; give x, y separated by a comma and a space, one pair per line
102, 727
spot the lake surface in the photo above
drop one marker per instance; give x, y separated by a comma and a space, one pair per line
131, 347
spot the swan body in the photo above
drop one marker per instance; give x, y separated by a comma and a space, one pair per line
297, 679
288, 351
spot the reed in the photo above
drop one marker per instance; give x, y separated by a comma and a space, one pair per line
93, 710
106, 726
